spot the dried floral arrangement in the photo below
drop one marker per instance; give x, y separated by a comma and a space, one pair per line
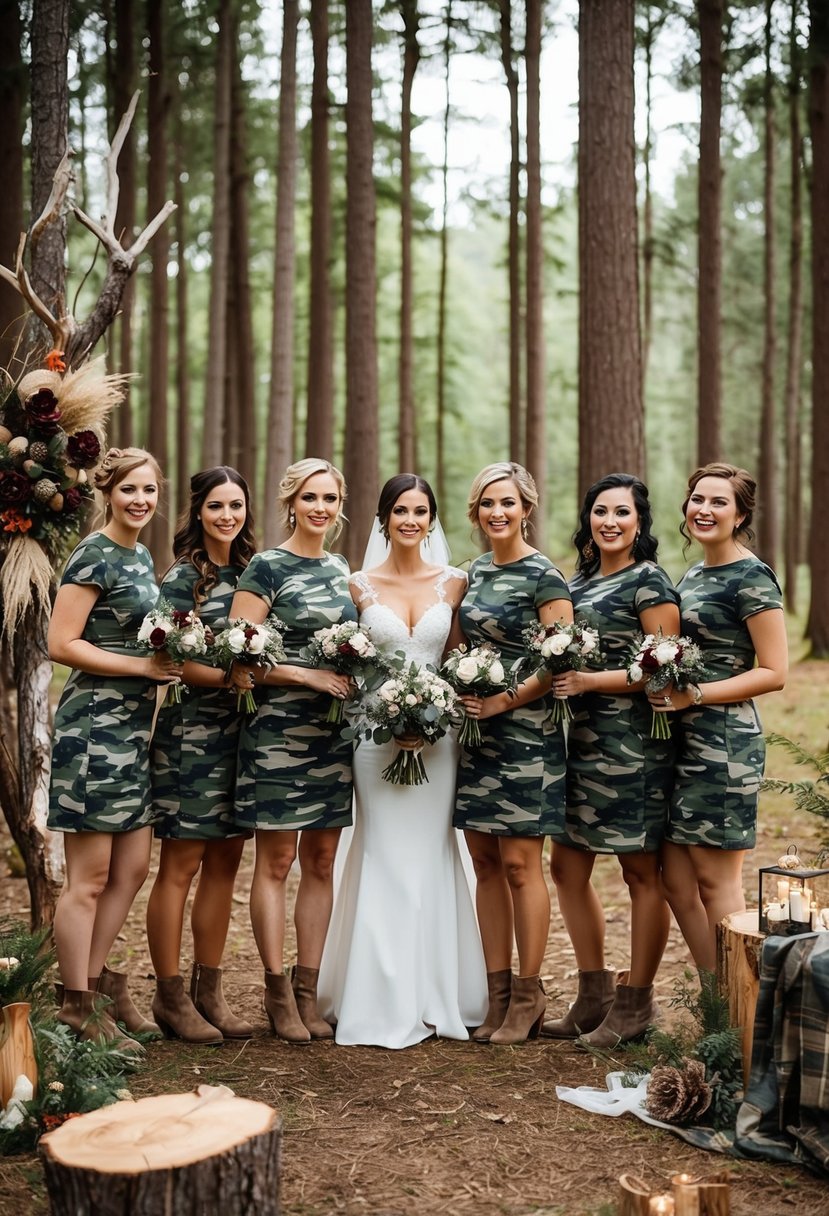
51, 436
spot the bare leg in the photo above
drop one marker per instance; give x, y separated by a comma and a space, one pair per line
679, 880
720, 881
521, 856
580, 906
650, 917
128, 869
493, 900
87, 871
178, 865
315, 896
213, 901
275, 853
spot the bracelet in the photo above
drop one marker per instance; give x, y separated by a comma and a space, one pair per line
696, 694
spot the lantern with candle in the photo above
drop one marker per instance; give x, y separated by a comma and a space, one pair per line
793, 898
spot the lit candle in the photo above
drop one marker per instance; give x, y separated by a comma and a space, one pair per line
782, 890
796, 905
686, 1195
815, 920
776, 913
661, 1205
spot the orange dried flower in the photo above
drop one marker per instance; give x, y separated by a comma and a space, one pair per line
55, 361
13, 521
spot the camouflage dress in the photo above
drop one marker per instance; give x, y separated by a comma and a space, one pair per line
294, 768
513, 784
193, 756
100, 758
618, 778
721, 747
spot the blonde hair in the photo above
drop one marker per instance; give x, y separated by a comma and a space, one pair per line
117, 464
294, 479
502, 470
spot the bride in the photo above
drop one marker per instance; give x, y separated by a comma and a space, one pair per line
403, 956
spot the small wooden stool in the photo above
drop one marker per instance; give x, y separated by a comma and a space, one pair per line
739, 942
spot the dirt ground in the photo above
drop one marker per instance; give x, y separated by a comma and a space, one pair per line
455, 1128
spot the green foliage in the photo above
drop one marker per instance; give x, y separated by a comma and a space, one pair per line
810, 796
25, 981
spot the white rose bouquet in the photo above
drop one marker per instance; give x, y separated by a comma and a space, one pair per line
252, 645
182, 634
558, 648
413, 701
478, 671
661, 661
346, 648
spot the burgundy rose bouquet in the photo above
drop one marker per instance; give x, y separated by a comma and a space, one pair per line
182, 634
660, 661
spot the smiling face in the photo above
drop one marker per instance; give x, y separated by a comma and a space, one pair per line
133, 500
711, 515
409, 519
500, 511
316, 505
614, 522
222, 515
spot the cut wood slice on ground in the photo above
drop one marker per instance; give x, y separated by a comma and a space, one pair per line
739, 942
200, 1152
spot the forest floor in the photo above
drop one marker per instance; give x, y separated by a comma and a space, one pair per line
458, 1128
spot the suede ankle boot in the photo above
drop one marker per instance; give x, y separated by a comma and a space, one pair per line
85, 1013
593, 1000
525, 1013
632, 1012
113, 984
499, 985
178, 1017
304, 983
207, 996
281, 1010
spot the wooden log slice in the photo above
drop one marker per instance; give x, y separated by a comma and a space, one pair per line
206, 1152
739, 942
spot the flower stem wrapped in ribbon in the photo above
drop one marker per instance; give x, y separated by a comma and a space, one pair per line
251, 645
558, 648
346, 648
663, 661
480, 673
181, 634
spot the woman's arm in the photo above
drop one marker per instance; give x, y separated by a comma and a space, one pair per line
457, 590
253, 608
664, 617
73, 604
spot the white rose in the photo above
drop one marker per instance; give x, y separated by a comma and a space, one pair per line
388, 691
496, 672
146, 629
360, 643
236, 641
665, 652
588, 643
411, 699
635, 673
257, 643
329, 648
467, 669
556, 644
393, 711
189, 642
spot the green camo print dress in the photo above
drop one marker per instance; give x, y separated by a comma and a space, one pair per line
618, 778
100, 758
721, 747
193, 756
513, 784
294, 768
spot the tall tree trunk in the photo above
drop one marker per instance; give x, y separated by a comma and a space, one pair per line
123, 87
319, 425
794, 341
440, 453
157, 536
407, 436
818, 625
647, 218
280, 446
12, 94
516, 420
242, 402
213, 438
361, 428
709, 375
183, 422
768, 522
536, 441
611, 416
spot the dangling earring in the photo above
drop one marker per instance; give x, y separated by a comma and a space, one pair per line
635, 546
588, 552
291, 518
525, 527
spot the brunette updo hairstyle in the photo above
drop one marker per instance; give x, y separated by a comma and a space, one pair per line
188, 542
745, 492
292, 482
117, 464
646, 544
391, 491
502, 470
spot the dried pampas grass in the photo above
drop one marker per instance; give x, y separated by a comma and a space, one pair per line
87, 395
25, 577
39, 378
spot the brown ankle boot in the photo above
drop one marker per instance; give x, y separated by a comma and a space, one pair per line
525, 1013
280, 1007
85, 1013
113, 984
594, 998
178, 1017
632, 1012
208, 998
304, 983
499, 984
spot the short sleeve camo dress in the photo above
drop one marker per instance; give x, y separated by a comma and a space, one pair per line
721, 747
619, 779
294, 768
513, 783
193, 756
100, 778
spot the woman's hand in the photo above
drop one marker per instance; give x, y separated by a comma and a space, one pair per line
241, 678
409, 743
483, 707
322, 680
162, 668
669, 700
571, 683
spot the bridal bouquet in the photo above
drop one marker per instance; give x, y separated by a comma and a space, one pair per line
346, 648
478, 671
182, 634
251, 645
661, 661
413, 701
558, 648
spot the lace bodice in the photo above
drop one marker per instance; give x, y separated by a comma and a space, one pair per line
426, 642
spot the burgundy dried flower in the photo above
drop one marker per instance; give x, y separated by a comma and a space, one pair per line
157, 638
72, 499
83, 449
43, 411
15, 488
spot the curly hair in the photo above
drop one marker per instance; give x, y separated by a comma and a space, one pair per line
115, 465
745, 493
188, 542
645, 545
294, 479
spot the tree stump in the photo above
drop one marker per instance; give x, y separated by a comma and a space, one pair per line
739, 942
17, 1049
190, 1154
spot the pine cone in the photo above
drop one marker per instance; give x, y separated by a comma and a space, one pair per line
44, 490
39, 451
678, 1095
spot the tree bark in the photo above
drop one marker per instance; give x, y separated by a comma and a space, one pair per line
794, 336
319, 426
361, 429
280, 445
183, 421
12, 94
647, 210
611, 416
818, 625
768, 538
407, 436
709, 375
122, 91
516, 419
241, 402
536, 436
440, 453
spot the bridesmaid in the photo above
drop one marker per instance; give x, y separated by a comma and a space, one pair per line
511, 788
100, 784
194, 771
294, 783
731, 605
618, 778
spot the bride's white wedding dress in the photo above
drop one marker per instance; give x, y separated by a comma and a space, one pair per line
403, 956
